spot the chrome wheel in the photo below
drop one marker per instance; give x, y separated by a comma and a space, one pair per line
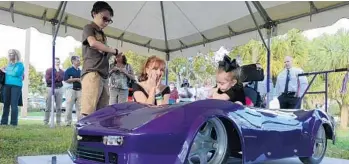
210, 144
320, 144
319, 148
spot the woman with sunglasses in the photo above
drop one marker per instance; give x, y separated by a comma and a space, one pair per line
12, 90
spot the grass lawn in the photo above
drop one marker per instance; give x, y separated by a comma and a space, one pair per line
33, 138
30, 113
36, 113
341, 148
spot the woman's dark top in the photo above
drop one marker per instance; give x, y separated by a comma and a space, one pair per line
137, 87
235, 93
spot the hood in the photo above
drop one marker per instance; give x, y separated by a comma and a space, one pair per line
125, 117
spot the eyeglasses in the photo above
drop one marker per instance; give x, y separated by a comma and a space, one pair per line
107, 20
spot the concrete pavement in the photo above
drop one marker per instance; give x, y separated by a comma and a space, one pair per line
64, 159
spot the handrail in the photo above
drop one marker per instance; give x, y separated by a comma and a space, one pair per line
326, 84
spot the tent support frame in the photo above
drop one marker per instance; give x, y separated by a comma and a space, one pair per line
269, 26
326, 84
166, 40
55, 28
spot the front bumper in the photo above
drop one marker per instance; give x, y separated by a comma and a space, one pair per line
138, 149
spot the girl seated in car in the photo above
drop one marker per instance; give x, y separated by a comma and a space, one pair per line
149, 90
228, 85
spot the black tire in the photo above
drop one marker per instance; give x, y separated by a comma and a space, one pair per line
317, 157
220, 137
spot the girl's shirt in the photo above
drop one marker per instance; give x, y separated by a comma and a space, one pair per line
14, 74
235, 93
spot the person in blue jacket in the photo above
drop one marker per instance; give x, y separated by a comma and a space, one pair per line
12, 90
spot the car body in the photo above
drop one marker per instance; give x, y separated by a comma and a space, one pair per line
64, 105
36, 103
134, 133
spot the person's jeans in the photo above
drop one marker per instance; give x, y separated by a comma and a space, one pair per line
118, 96
11, 95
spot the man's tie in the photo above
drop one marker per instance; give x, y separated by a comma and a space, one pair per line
287, 81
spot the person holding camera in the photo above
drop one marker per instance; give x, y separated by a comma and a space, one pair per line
73, 92
186, 93
121, 77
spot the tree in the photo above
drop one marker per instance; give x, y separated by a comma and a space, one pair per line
178, 67
298, 47
204, 67
36, 84
3, 62
77, 52
330, 52
293, 44
135, 60
251, 52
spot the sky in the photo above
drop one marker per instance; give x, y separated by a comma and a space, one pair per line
41, 44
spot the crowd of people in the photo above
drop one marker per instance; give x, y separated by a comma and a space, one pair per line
100, 83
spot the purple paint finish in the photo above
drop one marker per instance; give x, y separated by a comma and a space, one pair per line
159, 135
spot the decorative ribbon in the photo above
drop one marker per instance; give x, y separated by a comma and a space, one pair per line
227, 64
345, 82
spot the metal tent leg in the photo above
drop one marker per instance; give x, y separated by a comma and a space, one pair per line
52, 125
269, 26
55, 33
268, 98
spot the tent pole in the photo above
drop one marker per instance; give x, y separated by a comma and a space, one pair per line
268, 98
269, 26
166, 73
54, 33
52, 125
166, 41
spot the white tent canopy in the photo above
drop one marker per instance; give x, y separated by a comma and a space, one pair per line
190, 27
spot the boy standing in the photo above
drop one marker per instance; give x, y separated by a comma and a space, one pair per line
96, 53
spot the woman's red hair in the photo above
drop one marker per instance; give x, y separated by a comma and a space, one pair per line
153, 61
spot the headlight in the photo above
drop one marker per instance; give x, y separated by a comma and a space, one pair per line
113, 140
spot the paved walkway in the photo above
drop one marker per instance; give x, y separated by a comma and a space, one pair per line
40, 118
64, 159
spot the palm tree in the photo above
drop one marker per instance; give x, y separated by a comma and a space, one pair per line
330, 52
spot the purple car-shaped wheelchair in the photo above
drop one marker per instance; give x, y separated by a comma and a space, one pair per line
201, 132
206, 131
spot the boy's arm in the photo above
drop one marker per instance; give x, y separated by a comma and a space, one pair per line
88, 33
